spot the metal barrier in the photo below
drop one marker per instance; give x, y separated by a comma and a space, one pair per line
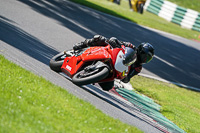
187, 18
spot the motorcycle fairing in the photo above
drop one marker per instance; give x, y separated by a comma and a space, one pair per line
95, 53
73, 64
69, 66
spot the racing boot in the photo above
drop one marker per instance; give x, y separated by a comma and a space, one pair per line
97, 40
81, 45
78, 46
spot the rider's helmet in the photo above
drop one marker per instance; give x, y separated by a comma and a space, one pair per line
129, 57
145, 52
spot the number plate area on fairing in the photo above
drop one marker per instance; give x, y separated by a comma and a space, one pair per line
119, 66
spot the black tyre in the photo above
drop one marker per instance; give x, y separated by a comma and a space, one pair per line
141, 8
57, 61
84, 77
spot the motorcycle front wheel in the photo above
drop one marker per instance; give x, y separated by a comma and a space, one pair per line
87, 77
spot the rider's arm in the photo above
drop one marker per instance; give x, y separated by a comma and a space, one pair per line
128, 44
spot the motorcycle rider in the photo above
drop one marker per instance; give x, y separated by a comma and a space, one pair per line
134, 57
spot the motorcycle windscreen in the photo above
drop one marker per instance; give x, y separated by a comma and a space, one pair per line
120, 67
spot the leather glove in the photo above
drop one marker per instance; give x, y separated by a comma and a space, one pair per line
128, 44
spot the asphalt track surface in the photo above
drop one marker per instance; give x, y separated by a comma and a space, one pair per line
32, 32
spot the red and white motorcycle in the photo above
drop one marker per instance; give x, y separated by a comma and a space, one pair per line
94, 64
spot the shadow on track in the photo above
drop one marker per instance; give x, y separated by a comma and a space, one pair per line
176, 62
25, 42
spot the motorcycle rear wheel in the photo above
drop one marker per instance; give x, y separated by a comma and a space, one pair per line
92, 77
57, 61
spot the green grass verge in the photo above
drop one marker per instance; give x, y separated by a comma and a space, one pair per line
147, 19
179, 105
29, 103
190, 4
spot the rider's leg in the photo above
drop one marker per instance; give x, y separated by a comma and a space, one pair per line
97, 40
80, 45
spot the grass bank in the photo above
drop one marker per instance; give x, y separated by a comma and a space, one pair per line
29, 103
147, 19
190, 4
179, 105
